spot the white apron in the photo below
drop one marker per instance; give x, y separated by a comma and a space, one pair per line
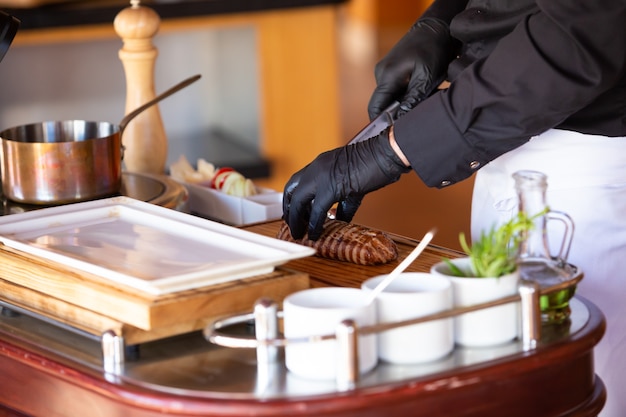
587, 180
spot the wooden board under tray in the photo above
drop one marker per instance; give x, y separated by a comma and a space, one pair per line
87, 302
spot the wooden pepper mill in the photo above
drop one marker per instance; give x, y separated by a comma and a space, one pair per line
144, 138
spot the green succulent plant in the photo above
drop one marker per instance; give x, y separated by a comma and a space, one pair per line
495, 252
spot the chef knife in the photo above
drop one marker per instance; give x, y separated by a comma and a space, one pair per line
381, 122
373, 128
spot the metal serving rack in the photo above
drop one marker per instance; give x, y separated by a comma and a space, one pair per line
267, 340
244, 356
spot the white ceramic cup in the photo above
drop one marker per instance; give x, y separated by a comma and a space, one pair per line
490, 326
408, 296
318, 312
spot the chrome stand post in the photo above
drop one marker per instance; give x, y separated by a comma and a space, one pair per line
530, 314
265, 330
348, 355
112, 354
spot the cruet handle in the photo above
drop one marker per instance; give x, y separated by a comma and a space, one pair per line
568, 233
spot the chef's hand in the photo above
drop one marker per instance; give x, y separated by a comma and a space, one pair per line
413, 68
341, 175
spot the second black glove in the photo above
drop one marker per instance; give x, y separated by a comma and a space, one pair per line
342, 175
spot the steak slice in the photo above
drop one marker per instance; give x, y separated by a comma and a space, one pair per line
348, 242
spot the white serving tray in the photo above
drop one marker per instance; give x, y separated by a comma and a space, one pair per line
143, 246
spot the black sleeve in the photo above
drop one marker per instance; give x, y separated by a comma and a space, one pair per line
444, 9
554, 62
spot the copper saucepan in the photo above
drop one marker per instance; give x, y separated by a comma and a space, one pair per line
60, 162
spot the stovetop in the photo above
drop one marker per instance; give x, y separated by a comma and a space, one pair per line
156, 189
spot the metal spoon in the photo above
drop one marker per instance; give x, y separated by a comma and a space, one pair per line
403, 265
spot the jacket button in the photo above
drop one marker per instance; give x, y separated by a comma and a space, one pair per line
445, 183
474, 164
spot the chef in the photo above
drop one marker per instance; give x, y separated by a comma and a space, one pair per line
537, 85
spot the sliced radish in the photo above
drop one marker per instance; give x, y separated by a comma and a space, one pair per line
220, 176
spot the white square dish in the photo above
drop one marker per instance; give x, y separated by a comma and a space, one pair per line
144, 246
237, 211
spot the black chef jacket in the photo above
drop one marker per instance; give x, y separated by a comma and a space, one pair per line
524, 67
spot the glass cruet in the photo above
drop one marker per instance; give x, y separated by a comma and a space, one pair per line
535, 260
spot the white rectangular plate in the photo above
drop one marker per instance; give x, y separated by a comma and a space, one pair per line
144, 246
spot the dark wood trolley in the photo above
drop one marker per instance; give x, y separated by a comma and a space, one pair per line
50, 371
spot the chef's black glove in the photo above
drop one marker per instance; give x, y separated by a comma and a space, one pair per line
414, 67
341, 175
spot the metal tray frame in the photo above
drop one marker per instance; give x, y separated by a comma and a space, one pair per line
242, 357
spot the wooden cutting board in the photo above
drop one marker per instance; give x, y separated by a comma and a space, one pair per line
85, 301
324, 272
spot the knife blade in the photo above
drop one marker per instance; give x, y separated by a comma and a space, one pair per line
381, 122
